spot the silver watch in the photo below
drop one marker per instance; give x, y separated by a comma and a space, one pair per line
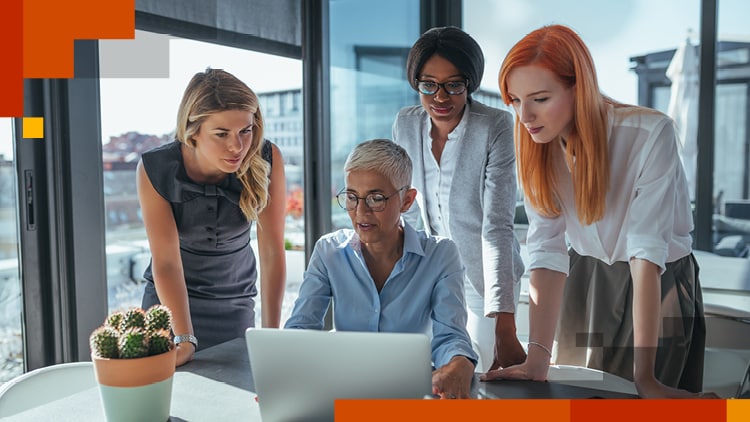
186, 337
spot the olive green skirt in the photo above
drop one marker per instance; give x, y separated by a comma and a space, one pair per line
595, 328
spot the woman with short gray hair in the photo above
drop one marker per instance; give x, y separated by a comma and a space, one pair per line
385, 276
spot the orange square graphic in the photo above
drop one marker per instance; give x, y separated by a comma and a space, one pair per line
738, 410
33, 127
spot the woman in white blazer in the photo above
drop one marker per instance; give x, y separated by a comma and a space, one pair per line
464, 172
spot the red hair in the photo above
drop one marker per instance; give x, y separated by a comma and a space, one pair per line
560, 50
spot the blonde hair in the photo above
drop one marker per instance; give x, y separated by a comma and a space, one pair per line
214, 91
560, 50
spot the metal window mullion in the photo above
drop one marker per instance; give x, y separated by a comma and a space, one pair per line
35, 246
435, 13
316, 113
706, 120
58, 176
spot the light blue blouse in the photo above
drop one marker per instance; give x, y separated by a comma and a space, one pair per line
423, 294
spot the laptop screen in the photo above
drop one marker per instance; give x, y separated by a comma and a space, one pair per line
298, 374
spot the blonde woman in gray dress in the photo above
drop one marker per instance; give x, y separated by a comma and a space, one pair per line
199, 196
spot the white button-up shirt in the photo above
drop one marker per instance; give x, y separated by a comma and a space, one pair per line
438, 176
648, 213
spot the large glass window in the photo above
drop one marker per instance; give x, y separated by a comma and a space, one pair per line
732, 130
139, 113
11, 341
369, 45
633, 44
614, 31
620, 31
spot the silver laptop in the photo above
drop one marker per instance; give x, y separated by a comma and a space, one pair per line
299, 373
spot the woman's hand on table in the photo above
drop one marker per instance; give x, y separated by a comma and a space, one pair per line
185, 353
453, 380
523, 371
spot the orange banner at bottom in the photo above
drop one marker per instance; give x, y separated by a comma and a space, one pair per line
558, 410
451, 410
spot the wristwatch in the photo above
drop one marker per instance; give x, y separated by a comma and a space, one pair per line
186, 337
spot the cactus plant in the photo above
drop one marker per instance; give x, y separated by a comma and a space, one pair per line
158, 317
114, 320
133, 318
104, 340
159, 342
133, 333
133, 343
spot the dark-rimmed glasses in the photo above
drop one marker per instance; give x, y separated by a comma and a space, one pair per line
451, 87
374, 201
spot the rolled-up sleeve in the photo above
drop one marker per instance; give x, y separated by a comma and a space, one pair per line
652, 210
545, 241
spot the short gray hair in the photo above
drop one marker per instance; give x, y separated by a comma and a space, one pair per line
383, 156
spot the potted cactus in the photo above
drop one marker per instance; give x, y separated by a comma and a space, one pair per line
134, 362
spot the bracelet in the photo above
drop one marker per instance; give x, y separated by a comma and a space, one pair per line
542, 346
186, 338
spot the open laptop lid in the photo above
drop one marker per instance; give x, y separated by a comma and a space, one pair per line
299, 373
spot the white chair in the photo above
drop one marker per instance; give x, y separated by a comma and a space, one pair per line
44, 385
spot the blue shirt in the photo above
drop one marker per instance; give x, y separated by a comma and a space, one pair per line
423, 294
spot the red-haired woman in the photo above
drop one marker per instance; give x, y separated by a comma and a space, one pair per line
607, 177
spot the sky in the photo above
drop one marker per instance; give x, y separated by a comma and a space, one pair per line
6, 137
148, 104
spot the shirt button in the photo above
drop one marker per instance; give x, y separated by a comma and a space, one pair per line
209, 239
210, 208
209, 229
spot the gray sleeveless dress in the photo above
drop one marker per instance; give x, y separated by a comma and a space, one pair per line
217, 259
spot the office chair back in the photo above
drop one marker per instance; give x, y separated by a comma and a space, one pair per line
44, 385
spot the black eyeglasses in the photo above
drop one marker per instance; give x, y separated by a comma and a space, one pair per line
374, 201
451, 87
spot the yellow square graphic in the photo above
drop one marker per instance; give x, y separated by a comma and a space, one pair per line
738, 410
33, 127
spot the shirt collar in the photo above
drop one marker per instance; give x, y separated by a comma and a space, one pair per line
458, 132
411, 240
